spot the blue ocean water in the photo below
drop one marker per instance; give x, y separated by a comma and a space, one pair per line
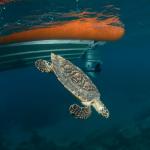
34, 106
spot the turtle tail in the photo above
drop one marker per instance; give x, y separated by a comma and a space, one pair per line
79, 112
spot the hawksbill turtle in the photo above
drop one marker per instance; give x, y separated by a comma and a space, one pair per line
78, 83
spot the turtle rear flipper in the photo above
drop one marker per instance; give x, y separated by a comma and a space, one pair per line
43, 65
80, 112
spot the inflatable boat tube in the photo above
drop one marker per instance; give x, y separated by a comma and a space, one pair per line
81, 29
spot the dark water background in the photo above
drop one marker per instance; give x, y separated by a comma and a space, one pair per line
34, 106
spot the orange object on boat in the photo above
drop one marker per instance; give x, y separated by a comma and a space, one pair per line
82, 29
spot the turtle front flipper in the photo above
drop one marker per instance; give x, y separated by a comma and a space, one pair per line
80, 112
43, 65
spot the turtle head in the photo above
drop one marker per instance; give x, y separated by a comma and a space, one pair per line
104, 112
100, 108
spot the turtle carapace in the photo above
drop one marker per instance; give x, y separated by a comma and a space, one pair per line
78, 83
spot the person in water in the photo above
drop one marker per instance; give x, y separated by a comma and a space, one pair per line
96, 68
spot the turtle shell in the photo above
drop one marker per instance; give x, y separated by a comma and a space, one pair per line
74, 79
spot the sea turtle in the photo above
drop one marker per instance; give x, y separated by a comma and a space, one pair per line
78, 83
